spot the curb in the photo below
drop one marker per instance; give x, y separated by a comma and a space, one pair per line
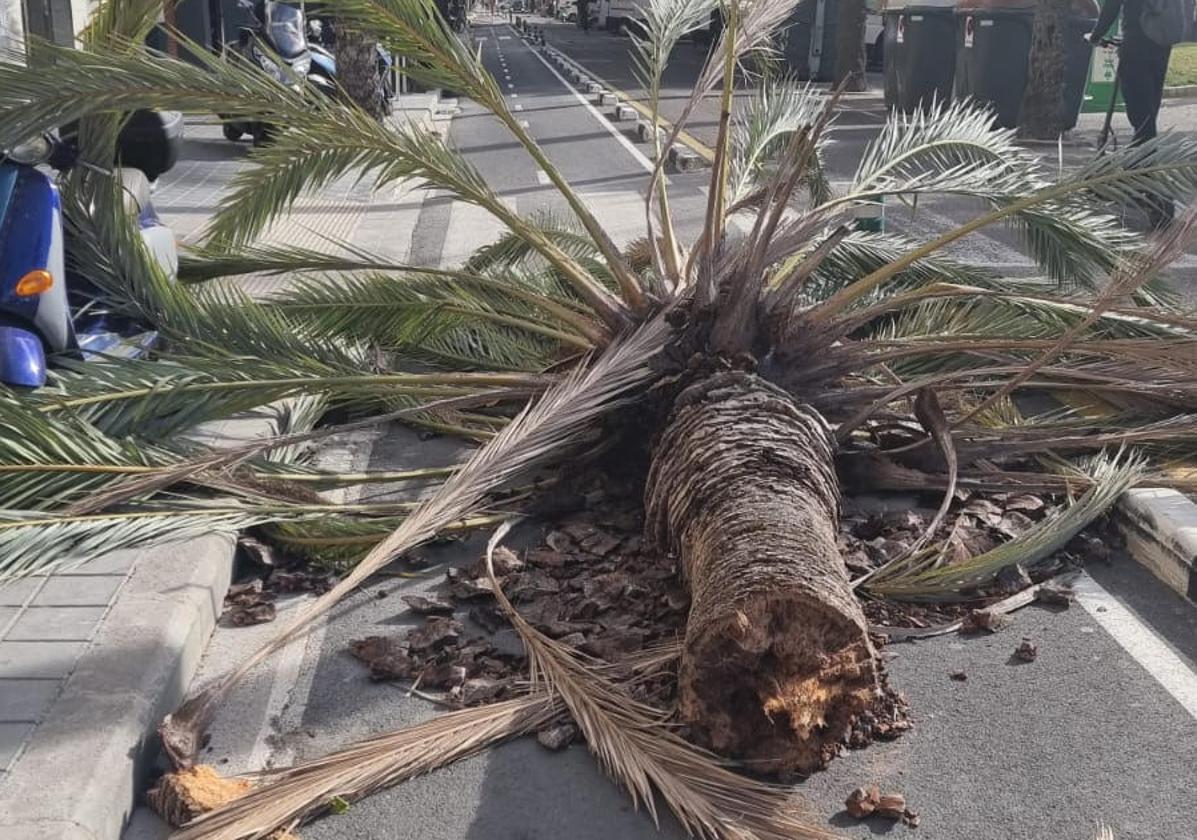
1160, 527
1180, 92
81, 772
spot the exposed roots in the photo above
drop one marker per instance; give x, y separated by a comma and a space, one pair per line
777, 662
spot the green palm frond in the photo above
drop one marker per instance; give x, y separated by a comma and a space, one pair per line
32, 543
162, 398
763, 125
1110, 477
122, 77
314, 153
402, 312
49, 460
954, 150
1164, 166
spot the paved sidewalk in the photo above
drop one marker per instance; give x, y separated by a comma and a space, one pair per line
92, 658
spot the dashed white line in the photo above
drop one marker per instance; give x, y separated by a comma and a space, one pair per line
1140, 641
517, 107
542, 178
523, 123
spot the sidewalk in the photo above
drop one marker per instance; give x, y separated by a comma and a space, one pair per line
92, 659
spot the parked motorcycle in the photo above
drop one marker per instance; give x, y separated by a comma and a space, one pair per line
43, 311
276, 33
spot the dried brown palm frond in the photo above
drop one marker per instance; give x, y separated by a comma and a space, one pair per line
542, 431
634, 743
293, 795
290, 796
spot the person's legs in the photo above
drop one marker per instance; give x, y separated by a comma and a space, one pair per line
1134, 77
1141, 73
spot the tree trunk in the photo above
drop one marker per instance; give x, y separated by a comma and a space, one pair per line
777, 662
1042, 113
357, 70
849, 45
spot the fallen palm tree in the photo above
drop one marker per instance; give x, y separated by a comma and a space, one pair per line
744, 378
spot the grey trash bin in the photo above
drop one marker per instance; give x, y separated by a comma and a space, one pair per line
918, 59
993, 46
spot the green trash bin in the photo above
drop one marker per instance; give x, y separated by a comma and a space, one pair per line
993, 45
917, 60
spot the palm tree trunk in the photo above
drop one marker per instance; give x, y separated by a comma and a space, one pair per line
849, 45
1042, 113
357, 70
777, 661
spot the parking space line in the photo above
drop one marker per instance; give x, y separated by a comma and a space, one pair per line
1140, 641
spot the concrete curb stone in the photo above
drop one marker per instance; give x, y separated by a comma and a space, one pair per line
77, 780
1180, 92
1160, 526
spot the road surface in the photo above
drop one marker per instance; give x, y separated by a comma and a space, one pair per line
1102, 726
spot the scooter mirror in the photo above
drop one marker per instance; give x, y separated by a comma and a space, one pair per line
31, 152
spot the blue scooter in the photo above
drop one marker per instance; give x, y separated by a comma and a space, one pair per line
36, 318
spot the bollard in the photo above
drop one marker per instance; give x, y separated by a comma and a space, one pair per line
683, 159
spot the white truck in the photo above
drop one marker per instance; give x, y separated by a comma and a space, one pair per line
618, 15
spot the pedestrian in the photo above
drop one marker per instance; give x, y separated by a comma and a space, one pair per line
1149, 29
584, 14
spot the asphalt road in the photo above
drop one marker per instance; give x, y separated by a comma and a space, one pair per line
1102, 726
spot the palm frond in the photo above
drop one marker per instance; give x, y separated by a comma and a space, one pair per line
158, 399
771, 115
49, 461
1110, 477
953, 149
296, 794
38, 542
412, 311
1165, 166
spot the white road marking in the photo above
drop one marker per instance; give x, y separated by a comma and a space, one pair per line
504, 37
514, 95
510, 84
1140, 641
517, 107
542, 178
636, 154
523, 123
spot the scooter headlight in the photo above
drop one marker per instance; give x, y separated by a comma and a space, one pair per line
31, 152
301, 65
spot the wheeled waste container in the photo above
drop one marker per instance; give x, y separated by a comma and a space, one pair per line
993, 46
918, 59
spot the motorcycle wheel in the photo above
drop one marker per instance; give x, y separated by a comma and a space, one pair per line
231, 132
263, 134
